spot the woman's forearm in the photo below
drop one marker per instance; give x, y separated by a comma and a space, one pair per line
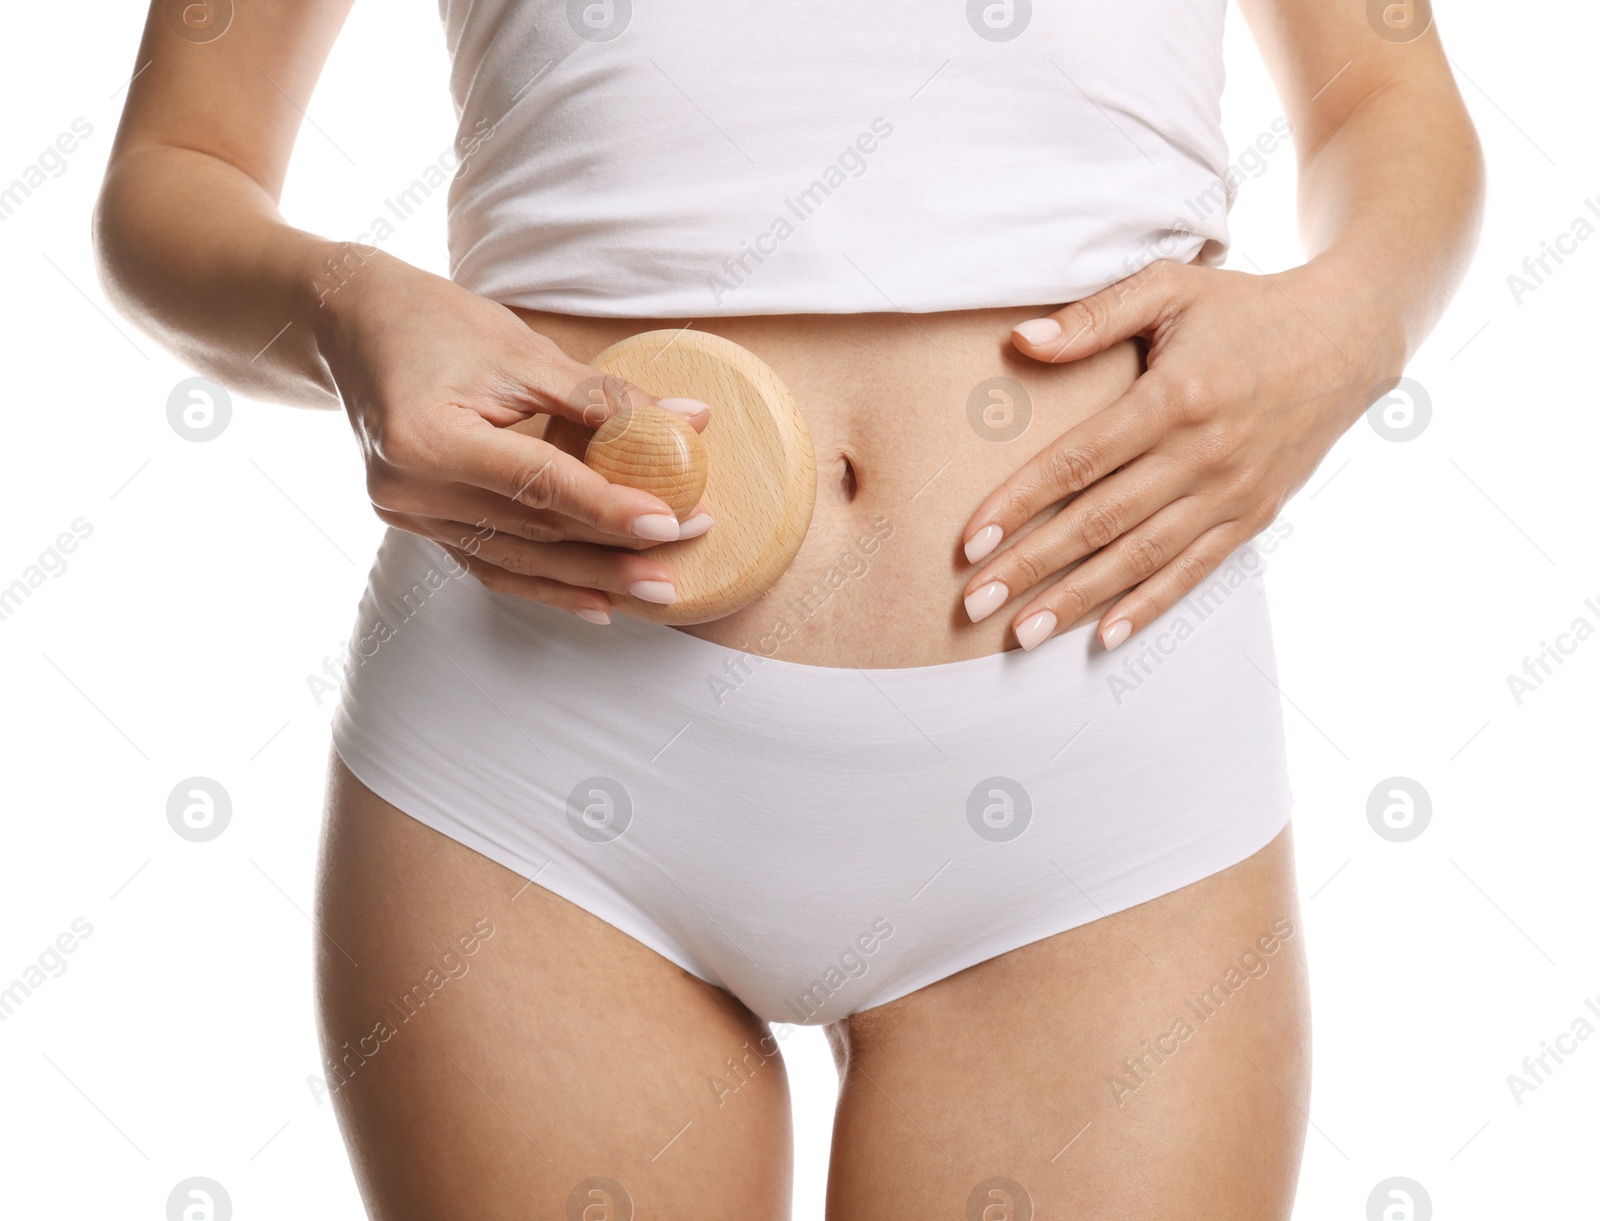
1390, 206
194, 251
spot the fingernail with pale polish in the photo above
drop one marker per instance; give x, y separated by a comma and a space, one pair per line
1119, 631
684, 406
654, 591
982, 543
592, 615
1035, 629
985, 600
658, 527
696, 526
1038, 331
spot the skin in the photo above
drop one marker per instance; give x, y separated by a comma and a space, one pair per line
1174, 414
900, 605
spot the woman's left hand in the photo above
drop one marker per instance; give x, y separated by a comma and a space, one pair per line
1250, 380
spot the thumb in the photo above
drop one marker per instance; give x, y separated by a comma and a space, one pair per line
1132, 306
588, 397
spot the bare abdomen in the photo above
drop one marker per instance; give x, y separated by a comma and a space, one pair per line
914, 419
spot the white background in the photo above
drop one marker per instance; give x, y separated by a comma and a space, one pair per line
219, 576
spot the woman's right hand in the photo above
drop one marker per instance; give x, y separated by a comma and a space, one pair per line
432, 376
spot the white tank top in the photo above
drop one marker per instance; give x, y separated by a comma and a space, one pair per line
683, 158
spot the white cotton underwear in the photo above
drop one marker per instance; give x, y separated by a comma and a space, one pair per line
817, 840
704, 159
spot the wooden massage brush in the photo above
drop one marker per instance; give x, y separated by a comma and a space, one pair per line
753, 466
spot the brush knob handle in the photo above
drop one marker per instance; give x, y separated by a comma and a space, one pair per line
654, 450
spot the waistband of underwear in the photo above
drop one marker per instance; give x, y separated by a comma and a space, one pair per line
415, 582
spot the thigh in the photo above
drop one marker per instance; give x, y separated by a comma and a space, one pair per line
498, 1052
1151, 1064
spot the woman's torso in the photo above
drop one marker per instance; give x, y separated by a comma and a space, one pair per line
862, 197
924, 416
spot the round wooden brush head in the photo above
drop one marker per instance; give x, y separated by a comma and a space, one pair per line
759, 470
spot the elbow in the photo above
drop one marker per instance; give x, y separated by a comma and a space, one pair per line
103, 245
1475, 175
114, 249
